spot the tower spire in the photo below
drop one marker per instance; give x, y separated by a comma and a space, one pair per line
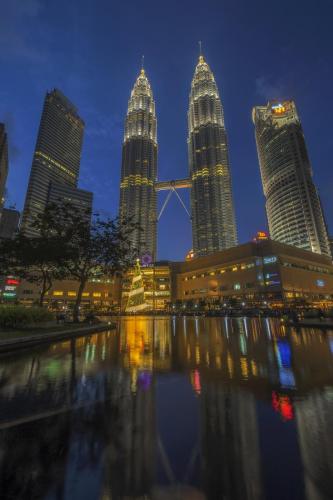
142, 64
201, 57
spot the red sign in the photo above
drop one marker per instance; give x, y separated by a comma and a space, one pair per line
12, 281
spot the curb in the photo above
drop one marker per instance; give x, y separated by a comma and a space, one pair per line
22, 343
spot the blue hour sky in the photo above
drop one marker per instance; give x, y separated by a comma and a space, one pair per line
91, 50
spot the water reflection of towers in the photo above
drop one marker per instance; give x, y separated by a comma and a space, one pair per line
102, 388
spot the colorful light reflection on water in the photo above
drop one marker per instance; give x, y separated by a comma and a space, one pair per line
184, 408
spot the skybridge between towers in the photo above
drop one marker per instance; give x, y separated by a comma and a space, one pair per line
173, 186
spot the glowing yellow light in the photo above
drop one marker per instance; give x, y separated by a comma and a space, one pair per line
54, 162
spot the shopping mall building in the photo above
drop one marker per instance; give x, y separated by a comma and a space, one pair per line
259, 273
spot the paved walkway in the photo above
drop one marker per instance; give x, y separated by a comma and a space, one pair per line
26, 339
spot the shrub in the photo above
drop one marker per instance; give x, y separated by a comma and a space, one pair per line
20, 316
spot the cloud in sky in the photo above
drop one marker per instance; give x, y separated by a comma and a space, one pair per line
16, 32
268, 89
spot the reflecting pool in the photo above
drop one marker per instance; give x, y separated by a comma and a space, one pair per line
171, 408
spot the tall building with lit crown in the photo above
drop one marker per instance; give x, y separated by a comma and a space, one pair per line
293, 205
3, 163
213, 218
139, 167
57, 156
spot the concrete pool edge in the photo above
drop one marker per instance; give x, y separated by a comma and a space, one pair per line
32, 340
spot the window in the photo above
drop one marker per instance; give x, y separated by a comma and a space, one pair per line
58, 293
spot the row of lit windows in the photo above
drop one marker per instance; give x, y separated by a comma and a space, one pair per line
308, 268
136, 180
213, 171
222, 288
216, 272
56, 163
60, 293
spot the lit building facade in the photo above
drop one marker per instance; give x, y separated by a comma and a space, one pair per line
57, 155
157, 286
263, 272
3, 163
139, 167
213, 218
100, 293
293, 206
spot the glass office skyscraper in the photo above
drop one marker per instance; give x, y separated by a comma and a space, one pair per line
293, 206
56, 158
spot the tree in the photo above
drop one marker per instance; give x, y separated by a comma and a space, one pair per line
37, 259
100, 247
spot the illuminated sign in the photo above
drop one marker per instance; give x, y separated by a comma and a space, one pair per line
278, 109
261, 236
146, 259
12, 281
320, 283
270, 260
9, 295
271, 275
10, 288
273, 282
190, 255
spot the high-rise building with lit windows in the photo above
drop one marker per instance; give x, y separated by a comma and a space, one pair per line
57, 155
213, 218
3, 163
139, 167
293, 205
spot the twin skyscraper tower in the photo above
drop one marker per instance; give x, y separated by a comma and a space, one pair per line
212, 210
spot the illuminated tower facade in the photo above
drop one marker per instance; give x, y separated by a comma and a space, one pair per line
56, 161
139, 167
293, 206
213, 218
